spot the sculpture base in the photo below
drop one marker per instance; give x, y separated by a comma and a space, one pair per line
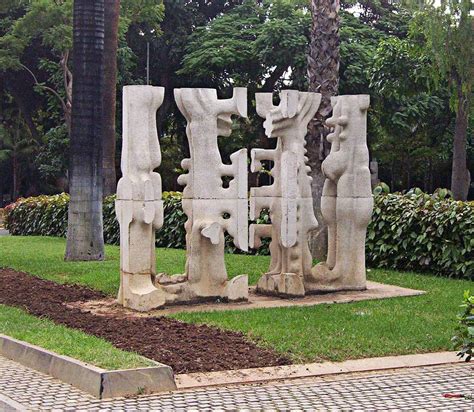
288, 285
325, 280
176, 290
181, 291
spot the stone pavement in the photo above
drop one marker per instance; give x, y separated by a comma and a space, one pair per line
403, 389
4, 232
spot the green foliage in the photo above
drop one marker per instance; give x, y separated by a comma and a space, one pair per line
445, 31
50, 21
413, 231
52, 160
41, 215
250, 44
47, 216
418, 231
464, 338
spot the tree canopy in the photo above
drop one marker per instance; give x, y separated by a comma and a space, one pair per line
410, 60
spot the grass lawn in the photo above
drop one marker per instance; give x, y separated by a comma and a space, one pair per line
65, 341
44, 257
309, 334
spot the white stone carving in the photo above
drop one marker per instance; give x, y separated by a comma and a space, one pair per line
139, 207
288, 198
347, 202
211, 208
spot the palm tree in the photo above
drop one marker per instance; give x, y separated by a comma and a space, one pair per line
111, 14
323, 75
85, 239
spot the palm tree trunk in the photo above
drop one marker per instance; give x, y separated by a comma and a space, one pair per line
460, 177
111, 13
85, 239
323, 74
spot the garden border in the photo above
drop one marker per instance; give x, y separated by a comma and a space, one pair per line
189, 381
96, 381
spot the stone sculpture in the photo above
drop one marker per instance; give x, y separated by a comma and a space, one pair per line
288, 198
211, 208
214, 208
347, 202
139, 207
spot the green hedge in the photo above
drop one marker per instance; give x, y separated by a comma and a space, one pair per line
47, 216
412, 231
422, 232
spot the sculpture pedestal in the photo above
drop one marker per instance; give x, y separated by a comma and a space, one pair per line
288, 285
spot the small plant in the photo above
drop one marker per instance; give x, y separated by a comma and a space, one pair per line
464, 338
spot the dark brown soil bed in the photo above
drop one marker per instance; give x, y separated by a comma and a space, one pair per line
185, 347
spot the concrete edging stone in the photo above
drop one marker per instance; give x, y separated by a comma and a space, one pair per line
96, 381
310, 370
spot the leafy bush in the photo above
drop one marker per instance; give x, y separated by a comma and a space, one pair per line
47, 216
464, 338
41, 215
422, 232
412, 231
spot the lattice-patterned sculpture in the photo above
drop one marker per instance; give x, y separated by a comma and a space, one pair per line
288, 198
347, 203
211, 208
139, 207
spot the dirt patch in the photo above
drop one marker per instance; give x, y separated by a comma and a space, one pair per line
185, 347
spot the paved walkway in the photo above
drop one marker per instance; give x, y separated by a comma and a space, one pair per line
4, 232
403, 389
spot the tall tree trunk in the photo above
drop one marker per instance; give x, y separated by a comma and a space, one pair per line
460, 177
323, 74
85, 240
111, 14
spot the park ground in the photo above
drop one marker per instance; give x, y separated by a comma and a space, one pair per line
334, 332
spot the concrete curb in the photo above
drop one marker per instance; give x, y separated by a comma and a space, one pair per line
9, 405
98, 382
288, 372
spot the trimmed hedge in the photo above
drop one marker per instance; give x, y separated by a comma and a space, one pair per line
412, 231
422, 232
47, 216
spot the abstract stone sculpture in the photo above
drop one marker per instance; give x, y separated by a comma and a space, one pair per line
288, 198
346, 203
139, 207
211, 208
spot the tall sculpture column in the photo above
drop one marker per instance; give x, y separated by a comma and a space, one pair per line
347, 201
211, 208
139, 207
288, 198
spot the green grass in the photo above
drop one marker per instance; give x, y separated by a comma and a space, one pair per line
65, 341
309, 334
355, 330
44, 257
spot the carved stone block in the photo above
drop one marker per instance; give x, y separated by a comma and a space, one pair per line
347, 202
288, 198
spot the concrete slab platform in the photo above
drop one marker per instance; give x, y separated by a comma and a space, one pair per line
374, 291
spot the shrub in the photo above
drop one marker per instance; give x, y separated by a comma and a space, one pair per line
417, 231
412, 231
47, 216
464, 338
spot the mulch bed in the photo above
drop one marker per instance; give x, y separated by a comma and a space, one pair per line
184, 347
